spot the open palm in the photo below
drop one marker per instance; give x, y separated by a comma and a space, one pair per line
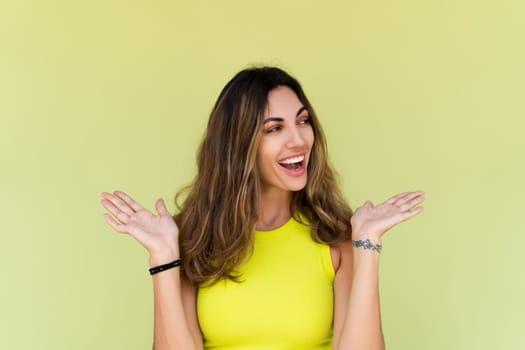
373, 221
154, 232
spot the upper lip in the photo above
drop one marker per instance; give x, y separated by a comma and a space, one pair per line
293, 156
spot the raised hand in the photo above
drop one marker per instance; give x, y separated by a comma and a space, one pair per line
157, 233
371, 221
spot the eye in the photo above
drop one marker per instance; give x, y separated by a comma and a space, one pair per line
273, 129
305, 120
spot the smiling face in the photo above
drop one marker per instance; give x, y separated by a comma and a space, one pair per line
287, 139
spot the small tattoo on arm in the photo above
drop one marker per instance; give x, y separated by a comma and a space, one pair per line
367, 245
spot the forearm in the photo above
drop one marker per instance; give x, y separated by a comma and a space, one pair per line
171, 331
362, 326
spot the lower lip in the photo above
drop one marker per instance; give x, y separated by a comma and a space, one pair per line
295, 172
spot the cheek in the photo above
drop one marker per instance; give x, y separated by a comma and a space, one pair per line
310, 138
268, 150
265, 157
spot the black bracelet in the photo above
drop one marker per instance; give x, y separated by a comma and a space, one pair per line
367, 245
167, 266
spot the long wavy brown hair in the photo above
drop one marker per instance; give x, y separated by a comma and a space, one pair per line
219, 212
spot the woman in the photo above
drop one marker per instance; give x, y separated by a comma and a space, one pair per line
272, 256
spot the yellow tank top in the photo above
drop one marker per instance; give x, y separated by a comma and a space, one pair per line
284, 302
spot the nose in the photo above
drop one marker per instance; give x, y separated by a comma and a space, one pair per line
295, 138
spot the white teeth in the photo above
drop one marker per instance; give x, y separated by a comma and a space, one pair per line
292, 160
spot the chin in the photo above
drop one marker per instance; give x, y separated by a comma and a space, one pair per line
297, 186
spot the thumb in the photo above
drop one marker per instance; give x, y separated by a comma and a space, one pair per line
161, 207
369, 204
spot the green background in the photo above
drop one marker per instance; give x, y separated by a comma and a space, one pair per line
104, 95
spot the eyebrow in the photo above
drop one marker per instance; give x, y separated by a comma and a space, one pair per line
278, 119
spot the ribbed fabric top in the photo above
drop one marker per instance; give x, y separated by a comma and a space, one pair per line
284, 302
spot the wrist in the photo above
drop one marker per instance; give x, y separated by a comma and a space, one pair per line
163, 257
363, 241
367, 244
156, 269
364, 235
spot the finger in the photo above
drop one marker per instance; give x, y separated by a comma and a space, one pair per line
411, 202
123, 217
396, 197
407, 198
115, 225
161, 207
118, 203
129, 201
406, 215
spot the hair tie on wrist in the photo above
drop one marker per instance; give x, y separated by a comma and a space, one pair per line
167, 266
367, 245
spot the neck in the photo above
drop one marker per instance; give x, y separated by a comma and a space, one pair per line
274, 209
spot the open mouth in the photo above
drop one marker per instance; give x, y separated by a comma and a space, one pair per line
294, 163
